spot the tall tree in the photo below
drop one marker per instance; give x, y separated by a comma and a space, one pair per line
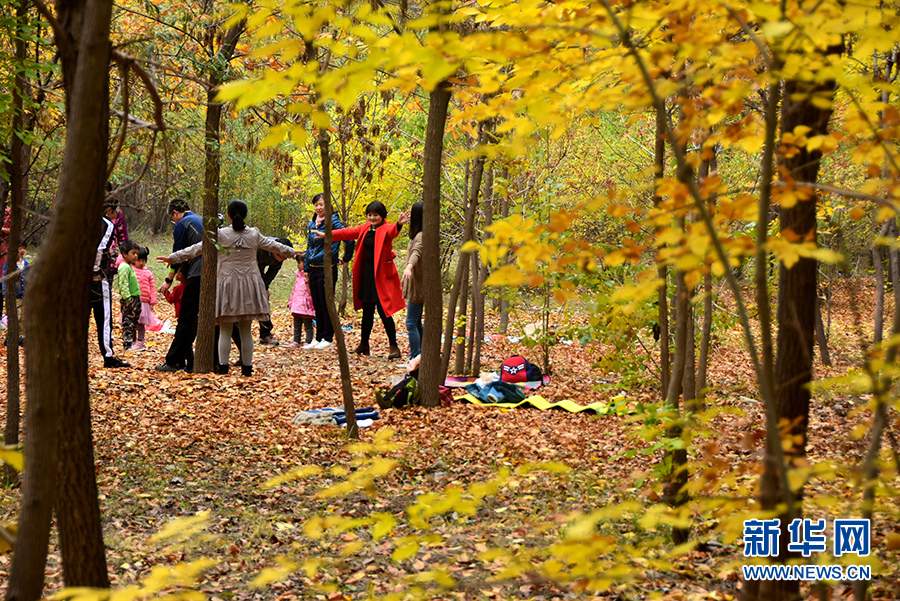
218, 63
59, 462
432, 369
17, 182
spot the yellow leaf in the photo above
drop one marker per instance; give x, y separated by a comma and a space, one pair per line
405, 551
270, 575
14, 458
11, 531
182, 527
303, 471
751, 144
274, 137
383, 526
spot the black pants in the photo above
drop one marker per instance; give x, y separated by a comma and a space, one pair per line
101, 305
181, 351
324, 329
265, 329
368, 320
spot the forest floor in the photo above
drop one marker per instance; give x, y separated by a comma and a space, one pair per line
172, 445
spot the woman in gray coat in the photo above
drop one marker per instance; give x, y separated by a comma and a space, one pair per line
240, 292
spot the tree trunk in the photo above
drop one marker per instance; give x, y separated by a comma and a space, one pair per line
706, 332
479, 316
689, 385
205, 351
459, 365
462, 272
340, 343
470, 342
878, 264
206, 324
432, 372
662, 298
59, 461
676, 459
821, 339
795, 317
504, 302
17, 182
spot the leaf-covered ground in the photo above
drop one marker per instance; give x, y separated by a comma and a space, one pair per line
172, 445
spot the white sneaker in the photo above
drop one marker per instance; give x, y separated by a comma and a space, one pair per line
311, 346
324, 344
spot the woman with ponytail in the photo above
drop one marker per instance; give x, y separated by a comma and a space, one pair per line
240, 292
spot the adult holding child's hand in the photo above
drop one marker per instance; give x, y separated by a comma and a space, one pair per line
240, 291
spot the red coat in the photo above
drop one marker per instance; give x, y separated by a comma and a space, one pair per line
387, 280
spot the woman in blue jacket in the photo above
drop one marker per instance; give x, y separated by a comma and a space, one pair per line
314, 268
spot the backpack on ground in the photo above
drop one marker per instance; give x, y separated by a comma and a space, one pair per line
518, 369
403, 393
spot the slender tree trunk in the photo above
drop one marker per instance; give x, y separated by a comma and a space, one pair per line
206, 324
479, 316
706, 332
59, 462
340, 343
689, 385
878, 264
461, 271
795, 317
677, 477
894, 258
821, 339
204, 355
459, 365
662, 298
473, 314
432, 371
17, 182
504, 302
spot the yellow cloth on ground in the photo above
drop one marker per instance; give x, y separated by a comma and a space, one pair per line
539, 402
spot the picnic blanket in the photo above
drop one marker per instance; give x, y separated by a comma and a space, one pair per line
463, 381
539, 402
336, 416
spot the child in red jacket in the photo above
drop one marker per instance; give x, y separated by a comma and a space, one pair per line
173, 295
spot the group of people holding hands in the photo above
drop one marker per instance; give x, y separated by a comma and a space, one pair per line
242, 290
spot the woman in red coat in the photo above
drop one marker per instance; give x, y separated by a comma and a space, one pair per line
376, 283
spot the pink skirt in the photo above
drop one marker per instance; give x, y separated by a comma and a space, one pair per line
149, 319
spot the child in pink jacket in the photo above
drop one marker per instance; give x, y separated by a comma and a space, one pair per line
148, 320
301, 307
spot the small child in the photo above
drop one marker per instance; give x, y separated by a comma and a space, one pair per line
147, 320
130, 291
174, 294
301, 307
22, 267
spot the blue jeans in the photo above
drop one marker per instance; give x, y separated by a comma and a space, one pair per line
414, 327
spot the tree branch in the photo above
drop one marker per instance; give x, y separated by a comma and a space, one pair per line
129, 62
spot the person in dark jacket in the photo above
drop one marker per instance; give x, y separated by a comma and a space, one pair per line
188, 231
101, 289
314, 268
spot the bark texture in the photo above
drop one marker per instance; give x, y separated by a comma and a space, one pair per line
431, 372
206, 324
59, 461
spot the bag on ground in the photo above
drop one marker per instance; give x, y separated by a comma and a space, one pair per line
404, 393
